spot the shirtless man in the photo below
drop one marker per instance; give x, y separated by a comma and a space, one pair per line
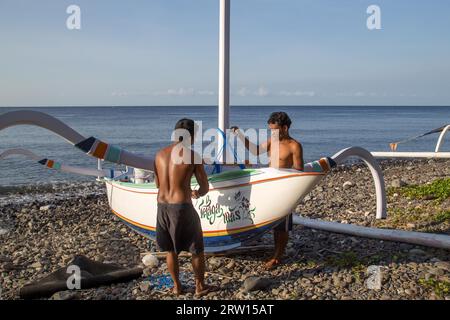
290, 156
178, 225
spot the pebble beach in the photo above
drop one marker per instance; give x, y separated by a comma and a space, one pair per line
43, 227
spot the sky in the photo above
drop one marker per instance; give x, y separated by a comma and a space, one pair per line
283, 52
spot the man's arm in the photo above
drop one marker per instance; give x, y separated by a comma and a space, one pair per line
202, 180
156, 175
297, 155
253, 148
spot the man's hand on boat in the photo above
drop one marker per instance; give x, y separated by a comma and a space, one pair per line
195, 194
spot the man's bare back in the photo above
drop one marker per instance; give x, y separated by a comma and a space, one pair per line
178, 225
174, 180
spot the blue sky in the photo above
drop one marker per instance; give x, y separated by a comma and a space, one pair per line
283, 52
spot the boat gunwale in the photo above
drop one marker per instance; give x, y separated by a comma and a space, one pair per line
118, 185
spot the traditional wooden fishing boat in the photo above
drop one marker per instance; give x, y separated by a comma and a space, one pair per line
242, 204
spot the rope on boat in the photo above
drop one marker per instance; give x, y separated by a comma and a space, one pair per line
394, 145
226, 143
91, 146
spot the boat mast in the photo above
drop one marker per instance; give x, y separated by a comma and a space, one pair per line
224, 73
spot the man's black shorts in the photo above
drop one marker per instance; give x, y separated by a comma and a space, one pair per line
178, 228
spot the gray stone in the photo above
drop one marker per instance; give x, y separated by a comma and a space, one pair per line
375, 277
144, 286
291, 252
5, 259
150, 261
65, 295
398, 183
417, 252
444, 265
305, 282
147, 272
46, 208
214, 262
231, 265
256, 283
436, 271
347, 185
308, 274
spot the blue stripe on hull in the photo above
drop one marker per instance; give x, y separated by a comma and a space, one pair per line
216, 242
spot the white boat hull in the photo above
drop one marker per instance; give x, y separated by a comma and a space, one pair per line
239, 208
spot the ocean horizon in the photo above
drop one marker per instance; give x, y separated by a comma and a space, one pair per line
322, 130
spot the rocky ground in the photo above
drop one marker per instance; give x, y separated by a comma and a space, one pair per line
41, 229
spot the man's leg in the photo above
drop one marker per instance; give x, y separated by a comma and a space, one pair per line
174, 270
198, 264
281, 239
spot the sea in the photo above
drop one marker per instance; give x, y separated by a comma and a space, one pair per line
322, 130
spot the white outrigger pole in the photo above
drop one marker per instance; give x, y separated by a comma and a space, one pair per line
224, 74
437, 154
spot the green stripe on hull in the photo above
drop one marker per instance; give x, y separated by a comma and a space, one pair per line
223, 176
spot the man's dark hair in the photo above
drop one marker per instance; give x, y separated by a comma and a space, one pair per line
186, 124
280, 118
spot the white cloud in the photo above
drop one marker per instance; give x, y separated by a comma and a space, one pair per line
261, 92
119, 94
205, 93
243, 92
351, 94
180, 92
297, 93
173, 92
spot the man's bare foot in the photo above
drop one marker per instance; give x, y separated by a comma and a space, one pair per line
271, 264
204, 290
177, 290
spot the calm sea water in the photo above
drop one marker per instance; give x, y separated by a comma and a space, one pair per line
322, 130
